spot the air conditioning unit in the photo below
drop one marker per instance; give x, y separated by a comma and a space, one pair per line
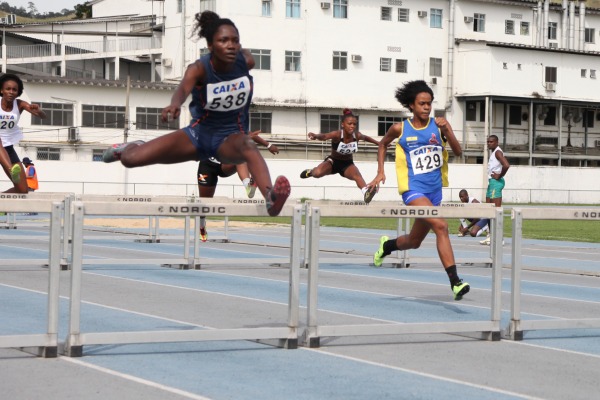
597, 143
325, 5
550, 86
553, 45
422, 14
434, 80
73, 134
468, 20
167, 62
356, 58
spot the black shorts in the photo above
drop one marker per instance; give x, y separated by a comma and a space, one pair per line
12, 154
339, 166
209, 173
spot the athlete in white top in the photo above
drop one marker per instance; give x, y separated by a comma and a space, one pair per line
11, 87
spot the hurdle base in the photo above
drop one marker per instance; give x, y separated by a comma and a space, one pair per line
64, 265
41, 351
314, 342
182, 266
290, 344
8, 227
73, 351
147, 240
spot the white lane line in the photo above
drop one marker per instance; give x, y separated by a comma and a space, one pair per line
135, 379
426, 375
553, 348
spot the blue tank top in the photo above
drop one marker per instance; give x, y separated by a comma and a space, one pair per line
421, 158
221, 105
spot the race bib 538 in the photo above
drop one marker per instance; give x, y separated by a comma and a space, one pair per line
228, 96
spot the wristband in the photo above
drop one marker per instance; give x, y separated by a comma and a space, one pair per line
269, 145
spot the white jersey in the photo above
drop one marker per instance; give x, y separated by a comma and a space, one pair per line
494, 166
10, 132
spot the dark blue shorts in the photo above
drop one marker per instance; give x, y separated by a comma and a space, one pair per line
206, 143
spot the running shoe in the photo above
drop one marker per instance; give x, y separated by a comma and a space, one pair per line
378, 256
15, 173
203, 234
370, 193
460, 289
251, 188
486, 241
460, 234
305, 174
114, 152
277, 196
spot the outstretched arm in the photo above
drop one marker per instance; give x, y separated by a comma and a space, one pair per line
367, 139
323, 136
33, 109
193, 75
257, 139
394, 132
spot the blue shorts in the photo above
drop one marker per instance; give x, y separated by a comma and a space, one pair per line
206, 143
434, 197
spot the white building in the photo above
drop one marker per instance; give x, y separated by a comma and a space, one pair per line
523, 70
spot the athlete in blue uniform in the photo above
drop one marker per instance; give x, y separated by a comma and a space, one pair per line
221, 88
344, 143
11, 87
421, 167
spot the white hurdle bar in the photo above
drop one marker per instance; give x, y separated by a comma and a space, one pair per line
517, 327
489, 330
42, 344
287, 335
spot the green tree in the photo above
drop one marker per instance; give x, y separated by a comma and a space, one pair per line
83, 11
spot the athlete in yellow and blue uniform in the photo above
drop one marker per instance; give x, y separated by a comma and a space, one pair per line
421, 168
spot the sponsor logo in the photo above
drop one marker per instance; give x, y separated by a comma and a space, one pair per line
135, 199
247, 201
232, 87
193, 209
410, 212
453, 205
13, 196
587, 214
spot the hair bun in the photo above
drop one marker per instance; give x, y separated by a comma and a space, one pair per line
347, 111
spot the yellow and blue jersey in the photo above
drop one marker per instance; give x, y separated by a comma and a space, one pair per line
421, 158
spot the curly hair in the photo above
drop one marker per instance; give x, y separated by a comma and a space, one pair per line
407, 94
14, 78
207, 24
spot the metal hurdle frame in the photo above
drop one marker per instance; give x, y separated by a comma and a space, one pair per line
489, 330
517, 327
42, 344
287, 335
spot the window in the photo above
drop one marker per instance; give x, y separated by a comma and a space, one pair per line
330, 122
204, 50
514, 115
403, 14
509, 27
150, 118
435, 66
471, 114
292, 8
478, 22
551, 74
57, 114
385, 64
97, 154
435, 18
179, 6
262, 58
208, 5
292, 61
593, 73
588, 119
340, 60
103, 116
340, 8
524, 28
386, 13
385, 123
589, 35
584, 73
266, 8
550, 117
552, 26
261, 121
402, 66
48, 154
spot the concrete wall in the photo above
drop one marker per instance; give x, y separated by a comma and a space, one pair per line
523, 184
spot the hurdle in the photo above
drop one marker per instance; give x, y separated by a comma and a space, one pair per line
488, 329
517, 326
41, 344
287, 336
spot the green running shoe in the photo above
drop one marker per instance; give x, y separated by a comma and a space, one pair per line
378, 256
460, 289
15, 173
